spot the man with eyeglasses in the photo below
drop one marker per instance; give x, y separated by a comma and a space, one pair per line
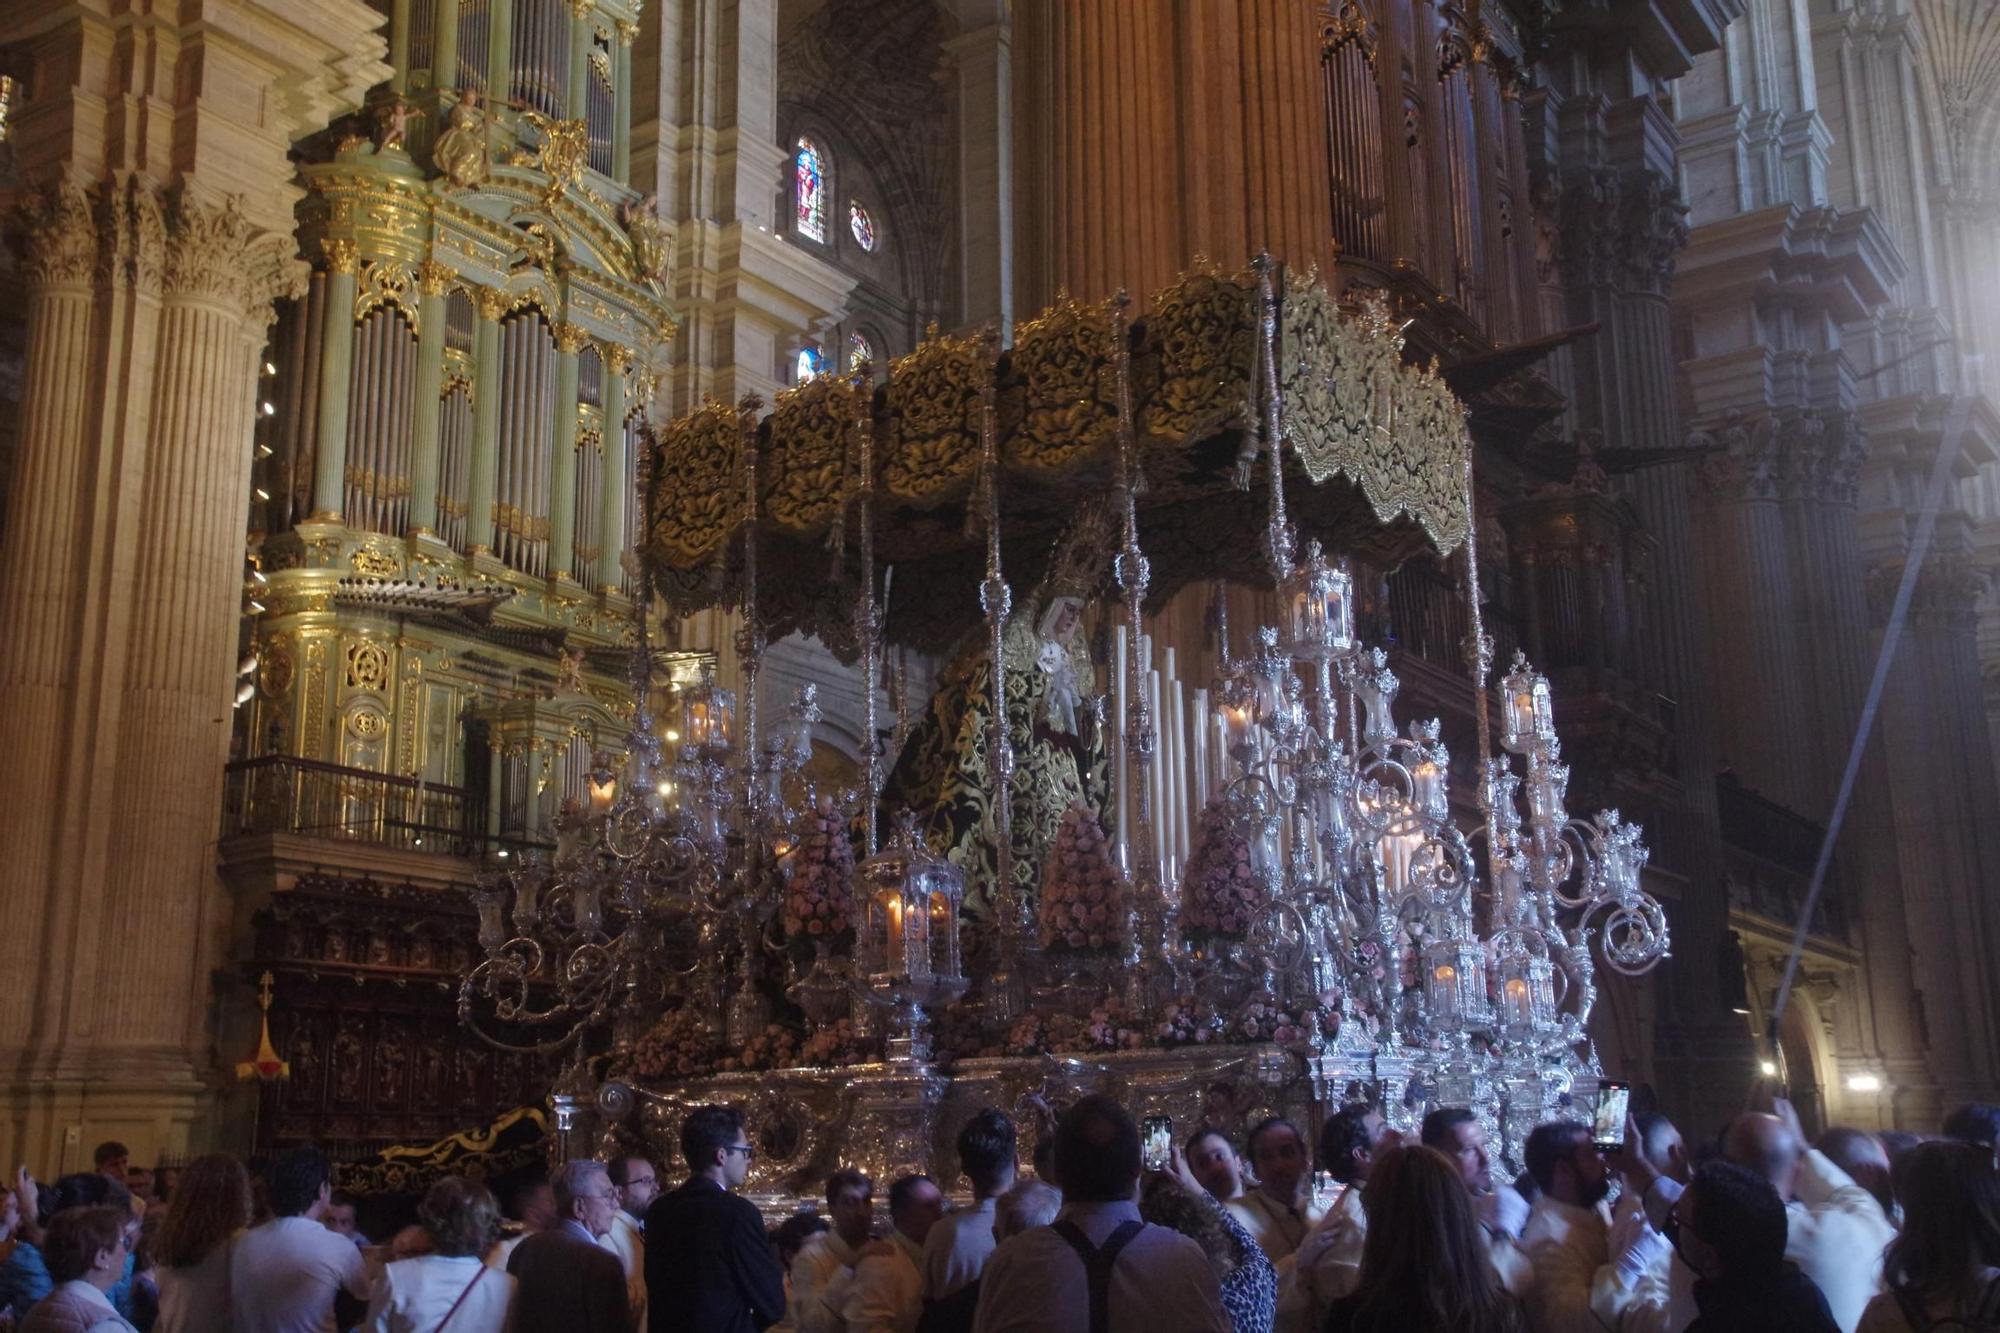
709, 1268
568, 1281
638, 1185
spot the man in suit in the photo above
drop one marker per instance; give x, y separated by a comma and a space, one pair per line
569, 1284
709, 1268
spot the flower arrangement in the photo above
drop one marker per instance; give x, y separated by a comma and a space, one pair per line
1107, 1027
1083, 908
674, 1047
1183, 1022
838, 1045
1221, 891
1267, 1020
776, 1047
819, 896
960, 1032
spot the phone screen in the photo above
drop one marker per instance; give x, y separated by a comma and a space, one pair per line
1156, 1137
1614, 1103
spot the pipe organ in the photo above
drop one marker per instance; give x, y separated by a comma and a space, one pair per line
447, 441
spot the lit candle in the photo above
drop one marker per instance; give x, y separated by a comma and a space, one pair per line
897, 963
602, 794
1444, 992
1519, 1007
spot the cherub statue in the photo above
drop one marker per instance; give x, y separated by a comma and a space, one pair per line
392, 126
649, 238
461, 152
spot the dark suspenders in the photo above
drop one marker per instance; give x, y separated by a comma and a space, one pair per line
1097, 1263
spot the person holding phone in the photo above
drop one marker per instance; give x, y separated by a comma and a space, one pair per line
1328, 1261
1581, 1282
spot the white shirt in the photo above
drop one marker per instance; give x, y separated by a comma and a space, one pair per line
956, 1251
195, 1299
79, 1297
1570, 1251
822, 1258
883, 1293
1325, 1267
283, 1274
415, 1295
1162, 1282
1276, 1227
629, 1243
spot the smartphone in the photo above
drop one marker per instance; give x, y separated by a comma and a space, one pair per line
1614, 1104
1156, 1141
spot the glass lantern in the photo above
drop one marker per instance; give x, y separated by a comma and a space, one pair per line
1319, 607
602, 782
1527, 713
1236, 706
1455, 983
1546, 790
1527, 994
708, 714
909, 892
489, 900
1376, 685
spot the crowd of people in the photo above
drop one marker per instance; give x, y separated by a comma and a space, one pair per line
1756, 1229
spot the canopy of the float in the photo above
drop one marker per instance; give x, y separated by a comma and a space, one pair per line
1376, 450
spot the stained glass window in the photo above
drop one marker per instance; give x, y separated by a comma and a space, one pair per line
862, 225
811, 192
810, 364
859, 349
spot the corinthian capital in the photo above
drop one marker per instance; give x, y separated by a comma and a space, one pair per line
60, 236
433, 278
342, 254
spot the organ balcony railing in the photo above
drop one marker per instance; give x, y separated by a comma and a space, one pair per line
284, 794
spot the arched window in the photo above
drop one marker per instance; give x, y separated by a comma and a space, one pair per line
810, 192
859, 349
809, 364
862, 225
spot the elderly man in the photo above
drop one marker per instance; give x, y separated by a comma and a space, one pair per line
883, 1289
1835, 1233
1456, 1132
1099, 1258
568, 1281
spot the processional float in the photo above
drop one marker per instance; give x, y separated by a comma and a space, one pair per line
712, 926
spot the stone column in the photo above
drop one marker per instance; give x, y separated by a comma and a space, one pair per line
579, 58
983, 56
336, 366
432, 280
484, 483
562, 484
611, 516
1180, 130
160, 223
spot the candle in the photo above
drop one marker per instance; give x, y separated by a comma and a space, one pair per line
602, 794
1154, 771
894, 959
1122, 830
1177, 710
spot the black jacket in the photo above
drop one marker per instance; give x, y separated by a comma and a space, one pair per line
708, 1267
1788, 1301
568, 1285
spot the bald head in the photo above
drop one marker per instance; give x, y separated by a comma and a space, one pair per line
1765, 1145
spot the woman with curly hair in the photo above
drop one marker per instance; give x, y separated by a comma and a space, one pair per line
451, 1288
1424, 1265
190, 1252
1249, 1283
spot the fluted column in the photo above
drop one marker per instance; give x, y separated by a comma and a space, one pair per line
432, 280
484, 483
621, 102
444, 45
579, 58
611, 514
562, 464
1176, 131
40, 607
982, 54
336, 366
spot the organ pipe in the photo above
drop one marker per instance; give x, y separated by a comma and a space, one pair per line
377, 475
540, 56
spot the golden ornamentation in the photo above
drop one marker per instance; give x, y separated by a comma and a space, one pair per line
616, 358
650, 250
342, 254
312, 729
274, 669
1353, 408
462, 152
384, 282
692, 484
628, 32
365, 722
491, 302
409, 717
433, 278
367, 665
1349, 26
373, 563
600, 68
564, 149
1205, 326
580, 9
804, 463
1065, 359
62, 236
932, 447
569, 338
